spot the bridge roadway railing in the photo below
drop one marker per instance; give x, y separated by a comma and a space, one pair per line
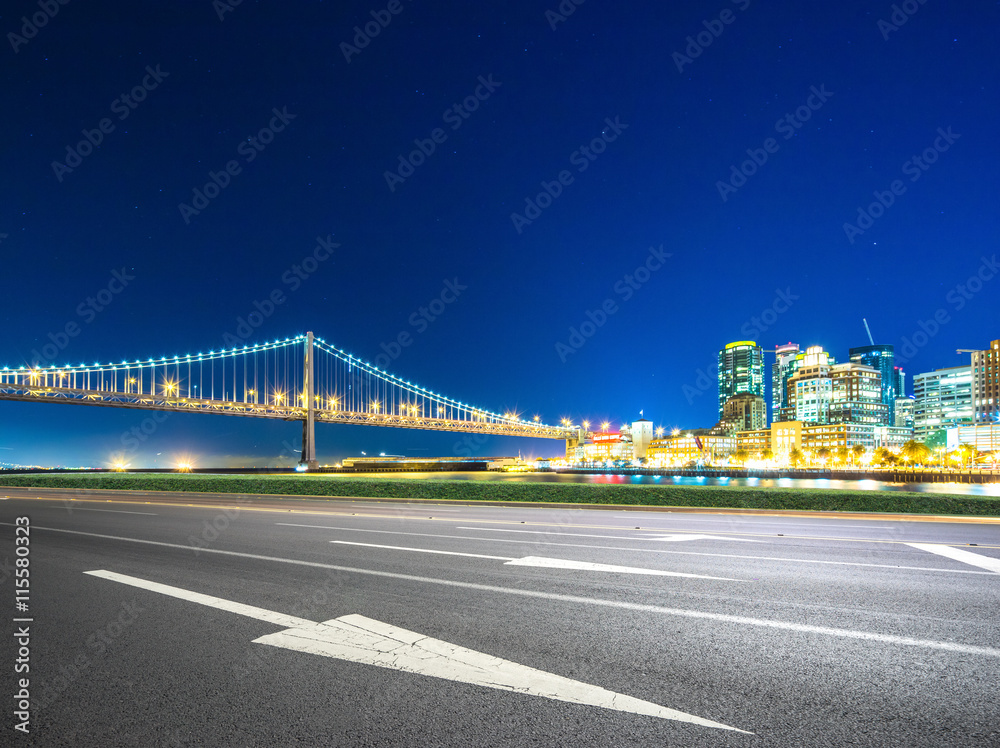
116, 399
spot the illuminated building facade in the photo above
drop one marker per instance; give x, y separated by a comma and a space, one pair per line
904, 412
744, 412
942, 398
856, 395
986, 384
882, 358
741, 369
781, 370
700, 445
642, 435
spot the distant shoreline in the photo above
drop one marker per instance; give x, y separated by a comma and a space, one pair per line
386, 487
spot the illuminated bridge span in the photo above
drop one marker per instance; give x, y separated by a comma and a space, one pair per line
297, 379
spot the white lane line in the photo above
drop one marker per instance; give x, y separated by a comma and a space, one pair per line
966, 557
617, 604
356, 638
643, 550
692, 536
113, 511
424, 550
549, 563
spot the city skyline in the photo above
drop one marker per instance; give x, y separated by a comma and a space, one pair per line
562, 214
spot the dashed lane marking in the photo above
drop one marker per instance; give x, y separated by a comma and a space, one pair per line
548, 563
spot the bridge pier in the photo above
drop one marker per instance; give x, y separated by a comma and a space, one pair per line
307, 461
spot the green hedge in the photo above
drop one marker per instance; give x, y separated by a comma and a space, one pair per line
829, 500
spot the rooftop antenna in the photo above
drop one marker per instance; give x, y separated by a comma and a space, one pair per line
868, 330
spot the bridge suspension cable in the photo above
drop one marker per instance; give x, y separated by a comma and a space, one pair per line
266, 380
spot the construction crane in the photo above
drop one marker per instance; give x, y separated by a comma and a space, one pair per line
868, 330
967, 350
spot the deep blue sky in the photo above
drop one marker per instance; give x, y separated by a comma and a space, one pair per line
655, 184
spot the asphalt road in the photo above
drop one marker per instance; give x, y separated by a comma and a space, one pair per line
161, 620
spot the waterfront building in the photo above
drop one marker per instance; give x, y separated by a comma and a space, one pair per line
882, 358
942, 399
986, 384
904, 412
755, 443
741, 369
698, 445
811, 437
810, 388
642, 434
781, 370
604, 446
744, 412
856, 395
985, 437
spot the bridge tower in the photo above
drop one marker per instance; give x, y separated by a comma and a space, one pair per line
308, 459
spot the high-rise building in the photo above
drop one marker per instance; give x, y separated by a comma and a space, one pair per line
986, 384
942, 398
904, 412
882, 358
900, 382
810, 388
781, 370
744, 412
741, 369
856, 395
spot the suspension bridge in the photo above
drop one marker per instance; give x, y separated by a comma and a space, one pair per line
296, 379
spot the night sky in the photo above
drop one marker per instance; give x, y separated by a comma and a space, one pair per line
590, 163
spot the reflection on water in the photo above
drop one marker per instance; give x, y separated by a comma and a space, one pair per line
989, 489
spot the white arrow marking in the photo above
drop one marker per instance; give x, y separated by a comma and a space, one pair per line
364, 640
423, 550
675, 538
546, 563
983, 562
560, 563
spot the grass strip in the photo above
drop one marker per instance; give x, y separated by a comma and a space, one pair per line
735, 497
